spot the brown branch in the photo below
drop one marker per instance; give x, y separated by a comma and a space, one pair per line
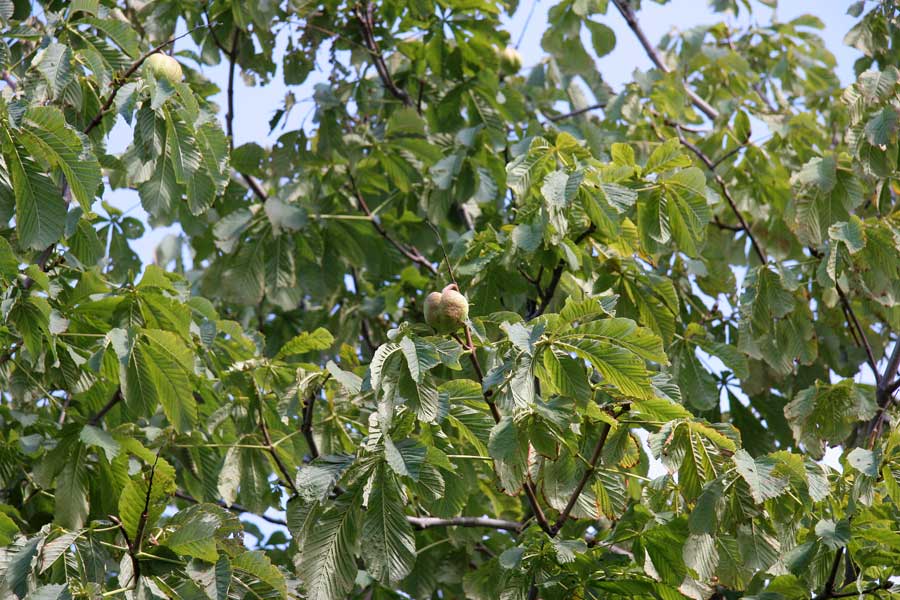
235, 508
430, 522
410, 252
145, 514
309, 406
706, 160
585, 477
863, 339
116, 398
366, 16
575, 113
631, 19
728, 155
547, 294
273, 450
7, 77
132, 552
232, 63
828, 591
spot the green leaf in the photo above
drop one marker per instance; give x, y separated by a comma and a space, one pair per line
390, 548
256, 566
328, 565
40, 209
45, 134
320, 339
759, 473
71, 493
834, 535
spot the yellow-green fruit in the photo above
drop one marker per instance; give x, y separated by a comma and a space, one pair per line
163, 65
433, 310
510, 60
454, 307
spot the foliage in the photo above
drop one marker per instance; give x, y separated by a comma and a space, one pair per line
650, 284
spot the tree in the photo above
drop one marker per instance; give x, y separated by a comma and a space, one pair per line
649, 283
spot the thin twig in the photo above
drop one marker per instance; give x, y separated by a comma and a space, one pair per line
410, 252
577, 112
631, 19
488, 395
430, 522
863, 339
585, 477
132, 552
828, 591
440, 240
706, 160
116, 398
232, 63
547, 295
309, 406
366, 16
264, 429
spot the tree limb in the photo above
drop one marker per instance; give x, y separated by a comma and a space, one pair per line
430, 522
410, 252
309, 406
706, 160
98, 416
575, 113
585, 477
273, 450
631, 19
864, 341
365, 14
547, 294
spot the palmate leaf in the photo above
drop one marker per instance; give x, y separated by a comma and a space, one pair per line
390, 546
328, 564
759, 473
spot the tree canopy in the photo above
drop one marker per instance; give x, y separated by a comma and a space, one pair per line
681, 293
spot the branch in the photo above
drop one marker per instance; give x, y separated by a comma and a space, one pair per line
631, 19
116, 398
232, 62
235, 508
366, 17
430, 522
575, 113
585, 477
706, 160
132, 552
306, 426
863, 339
417, 522
410, 252
547, 295
273, 450
5, 75
828, 591
142, 522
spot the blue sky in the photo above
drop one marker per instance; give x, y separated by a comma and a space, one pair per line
254, 106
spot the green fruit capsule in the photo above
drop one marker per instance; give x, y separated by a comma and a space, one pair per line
164, 66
